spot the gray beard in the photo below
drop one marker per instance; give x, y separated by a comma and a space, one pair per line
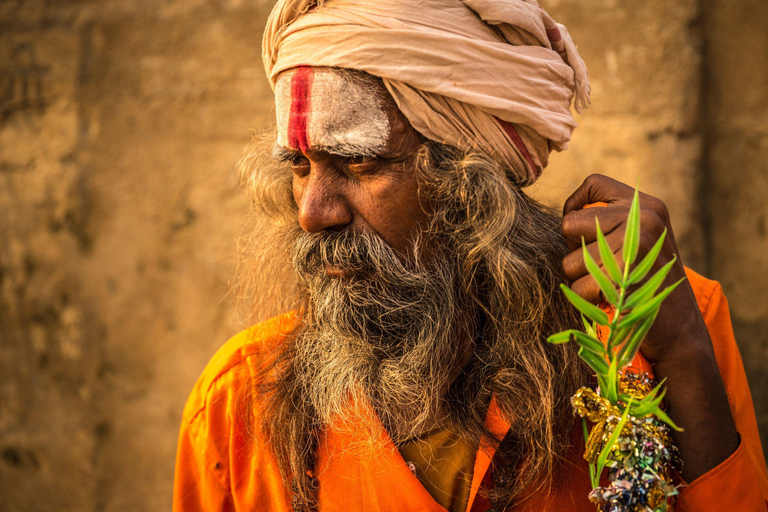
386, 335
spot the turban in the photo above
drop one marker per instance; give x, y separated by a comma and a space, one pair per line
496, 76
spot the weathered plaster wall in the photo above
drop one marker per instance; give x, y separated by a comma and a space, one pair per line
120, 123
736, 177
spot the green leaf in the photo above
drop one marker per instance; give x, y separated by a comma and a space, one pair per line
632, 233
561, 337
589, 328
647, 399
629, 349
597, 363
666, 419
644, 409
589, 343
650, 286
605, 284
612, 393
608, 258
587, 308
649, 308
642, 268
617, 336
602, 380
583, 339
608, 448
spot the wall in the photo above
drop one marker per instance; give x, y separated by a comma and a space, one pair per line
120, 123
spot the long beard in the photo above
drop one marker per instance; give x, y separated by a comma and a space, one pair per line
385, 334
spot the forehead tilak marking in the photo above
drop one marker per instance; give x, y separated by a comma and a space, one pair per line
301, 108
327, 111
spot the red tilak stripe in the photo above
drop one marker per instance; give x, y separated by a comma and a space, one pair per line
518, 141
301, 84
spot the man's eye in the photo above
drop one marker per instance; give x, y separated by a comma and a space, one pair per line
297, 160
360, 160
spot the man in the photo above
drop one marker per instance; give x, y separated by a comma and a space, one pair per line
410, 370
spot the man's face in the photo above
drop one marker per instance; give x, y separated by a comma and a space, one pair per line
353, 158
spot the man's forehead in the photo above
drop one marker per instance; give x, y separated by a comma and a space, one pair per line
323, 109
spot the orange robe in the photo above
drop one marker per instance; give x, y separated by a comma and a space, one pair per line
219, 468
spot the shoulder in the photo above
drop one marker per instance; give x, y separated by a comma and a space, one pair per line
230, 368
707, 291
214, 453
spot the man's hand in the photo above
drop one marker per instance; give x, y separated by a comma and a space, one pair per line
679, 326
678, 344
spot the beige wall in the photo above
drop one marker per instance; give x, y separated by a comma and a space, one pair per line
120, 123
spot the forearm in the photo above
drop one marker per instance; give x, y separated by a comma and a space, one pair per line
697, 402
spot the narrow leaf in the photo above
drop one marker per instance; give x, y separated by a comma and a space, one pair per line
560, 337
589, 343
589, 327
597, 363
650, 286
617, 336
648, 308
612, 393
632, 233
666, 419
629, 349
608, 448
645, 409
605, 284
608, 258
587, 308
602, 381
642, 268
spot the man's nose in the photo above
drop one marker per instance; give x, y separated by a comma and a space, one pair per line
322, 202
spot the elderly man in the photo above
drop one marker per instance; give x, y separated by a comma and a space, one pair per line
410, 371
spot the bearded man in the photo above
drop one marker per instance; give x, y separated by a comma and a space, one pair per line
409, 370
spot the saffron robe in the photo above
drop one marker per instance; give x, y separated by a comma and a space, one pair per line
219, 467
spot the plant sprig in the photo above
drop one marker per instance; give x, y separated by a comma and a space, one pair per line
633, 315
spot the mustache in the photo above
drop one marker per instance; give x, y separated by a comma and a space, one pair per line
361, 252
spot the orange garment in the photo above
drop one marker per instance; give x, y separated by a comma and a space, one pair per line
219, 468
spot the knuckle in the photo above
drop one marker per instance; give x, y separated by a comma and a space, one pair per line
658, 207
569, 224
651, 221
593, 178
571, 263
587, 288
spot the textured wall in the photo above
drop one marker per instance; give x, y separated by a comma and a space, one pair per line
120, 123
736, 176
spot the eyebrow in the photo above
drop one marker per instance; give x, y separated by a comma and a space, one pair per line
283, 154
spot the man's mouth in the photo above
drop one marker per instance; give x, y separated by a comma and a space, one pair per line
334, 271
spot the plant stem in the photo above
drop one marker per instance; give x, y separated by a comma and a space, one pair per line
615, 321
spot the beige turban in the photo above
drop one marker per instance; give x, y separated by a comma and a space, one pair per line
491, 75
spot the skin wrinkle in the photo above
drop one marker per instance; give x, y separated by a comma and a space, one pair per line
479, 258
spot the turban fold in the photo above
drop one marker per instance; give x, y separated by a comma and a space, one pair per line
491, 75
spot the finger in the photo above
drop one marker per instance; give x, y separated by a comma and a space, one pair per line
588, 288
574, 265
597, 188
581, 223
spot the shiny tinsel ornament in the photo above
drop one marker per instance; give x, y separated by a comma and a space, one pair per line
630, 433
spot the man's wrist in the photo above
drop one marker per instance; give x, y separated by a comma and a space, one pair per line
697, 402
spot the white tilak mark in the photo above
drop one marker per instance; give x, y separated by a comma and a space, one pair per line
346, 118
